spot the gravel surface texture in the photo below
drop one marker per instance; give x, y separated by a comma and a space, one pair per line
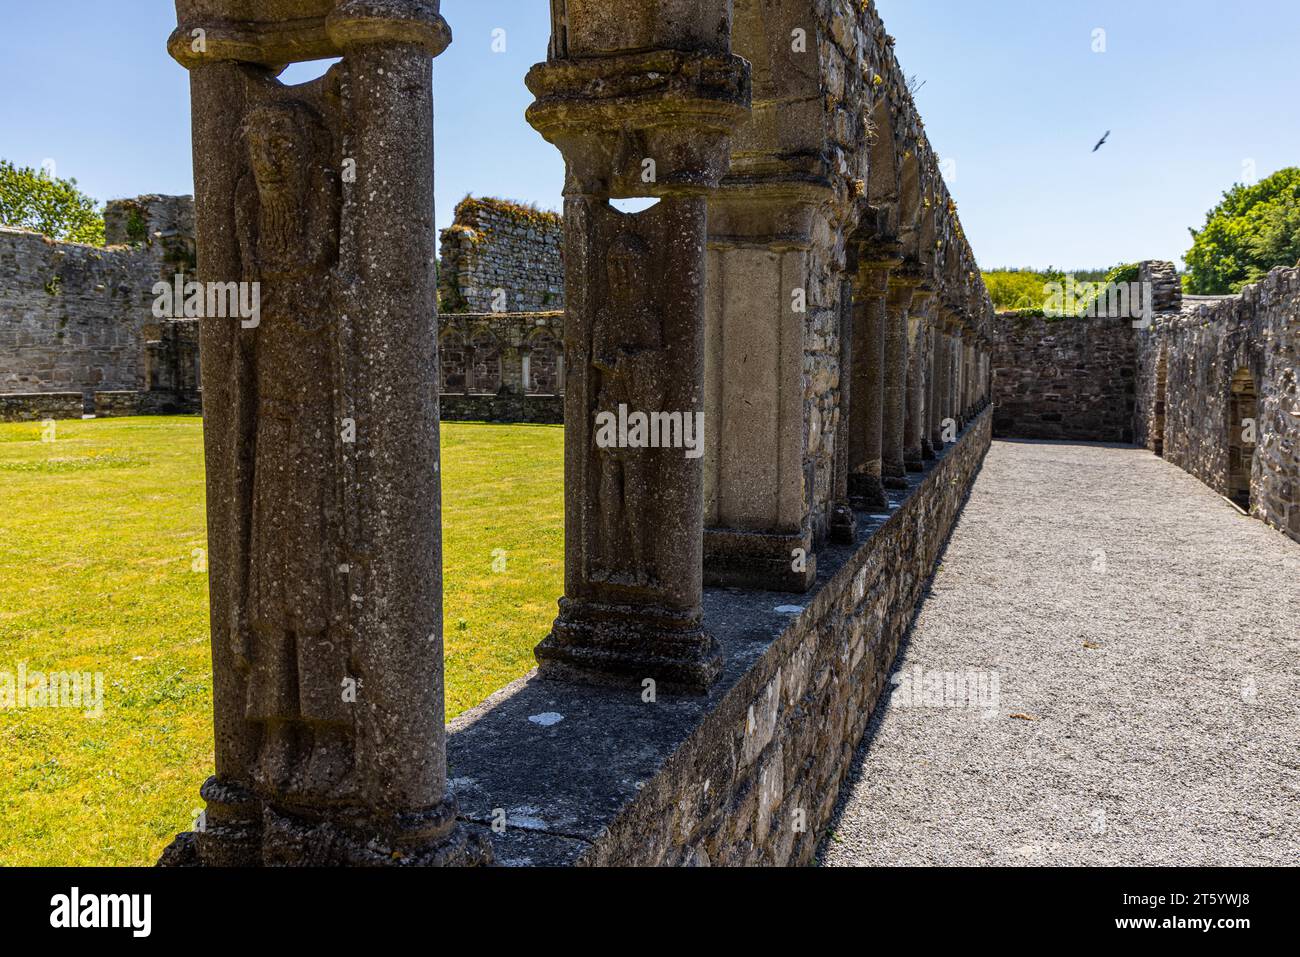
1130, 649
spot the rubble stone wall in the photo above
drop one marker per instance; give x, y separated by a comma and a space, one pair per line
499, 256
1189, 362
76, 318
1065, 379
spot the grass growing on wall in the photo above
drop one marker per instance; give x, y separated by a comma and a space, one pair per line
101, 570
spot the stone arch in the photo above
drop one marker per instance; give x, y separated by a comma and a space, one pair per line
1242, 430
485, 362
544, 356
453, 362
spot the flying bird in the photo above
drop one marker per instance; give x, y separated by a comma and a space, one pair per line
1101, 142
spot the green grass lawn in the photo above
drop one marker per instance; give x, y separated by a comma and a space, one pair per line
102, 570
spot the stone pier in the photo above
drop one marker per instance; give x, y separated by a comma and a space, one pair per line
323, 484
902, 286
634, 335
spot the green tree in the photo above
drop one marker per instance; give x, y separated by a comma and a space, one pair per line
33, 200
1254, 229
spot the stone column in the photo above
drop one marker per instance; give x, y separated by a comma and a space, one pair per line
942, 376
761, 296
902, 286
917, 381
968, 382
323, 486
866, 478
930, 428
955, 381
843, 522
641, 102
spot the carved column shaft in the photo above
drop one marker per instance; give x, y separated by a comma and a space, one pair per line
843, 522
931, 439
634, 331
899, 300
959, 385
866, 479
917, 381
761, 526
323, 485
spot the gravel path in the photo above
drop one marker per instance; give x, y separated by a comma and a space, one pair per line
1145, 638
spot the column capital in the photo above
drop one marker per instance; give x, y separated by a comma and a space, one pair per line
607, 116
300, 30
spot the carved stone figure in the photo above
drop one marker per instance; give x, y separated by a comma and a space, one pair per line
628, 352
289, 637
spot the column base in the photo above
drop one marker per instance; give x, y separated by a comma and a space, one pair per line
937, 443
769, 562
867, 491
895, 476
622, 645
241, 831
927, 450
844, 525
914, 462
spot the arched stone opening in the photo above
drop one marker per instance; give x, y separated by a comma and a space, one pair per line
1242, 432
453, 363
485, 351
543, 364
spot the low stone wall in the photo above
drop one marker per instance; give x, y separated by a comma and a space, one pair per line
748, 774
1067, 379
503, 407
39, 406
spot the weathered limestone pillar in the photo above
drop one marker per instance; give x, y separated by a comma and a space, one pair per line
945, 374
866, 477
968, 382
758, 527
641, 101
930, 441
954, 382
843, 522
902, 286
918, 365
322, 477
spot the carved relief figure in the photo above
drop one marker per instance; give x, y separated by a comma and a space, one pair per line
287, 633
628, 352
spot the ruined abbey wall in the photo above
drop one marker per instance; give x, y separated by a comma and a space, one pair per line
498, 256
78, 319
1220, 373
1209, 383
501, 367
1064, 379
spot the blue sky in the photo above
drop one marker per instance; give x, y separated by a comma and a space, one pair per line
1191, 90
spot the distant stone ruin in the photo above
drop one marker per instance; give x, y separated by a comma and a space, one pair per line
78, 335
500, 256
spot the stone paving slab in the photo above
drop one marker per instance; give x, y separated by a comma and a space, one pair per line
1145, 639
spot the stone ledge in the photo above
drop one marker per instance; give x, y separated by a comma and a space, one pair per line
596, 776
